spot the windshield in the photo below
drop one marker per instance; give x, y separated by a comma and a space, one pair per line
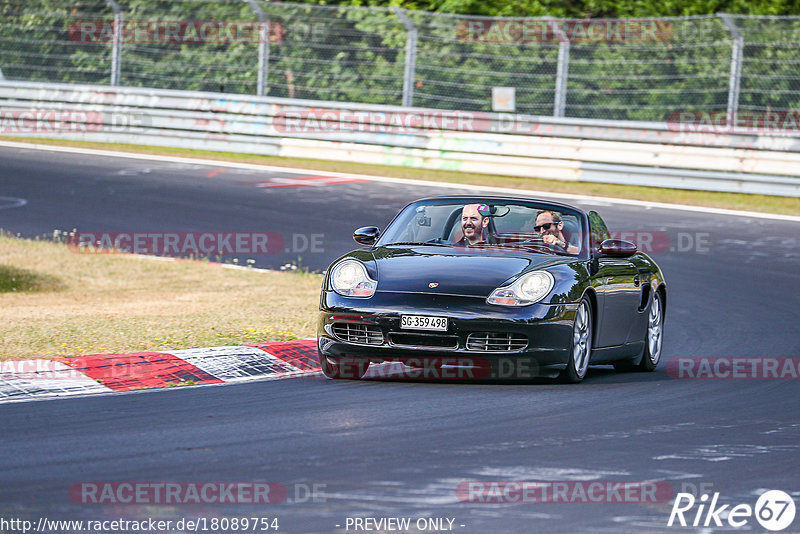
472, 224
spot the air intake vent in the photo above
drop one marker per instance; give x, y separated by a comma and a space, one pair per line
496, 341
369, 334
439, 341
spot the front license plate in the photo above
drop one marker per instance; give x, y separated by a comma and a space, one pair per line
423, 322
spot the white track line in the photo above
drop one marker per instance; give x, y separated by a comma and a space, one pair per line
404, 181
13, 202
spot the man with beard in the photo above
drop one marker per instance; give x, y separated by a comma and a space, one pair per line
474, 219
550, 228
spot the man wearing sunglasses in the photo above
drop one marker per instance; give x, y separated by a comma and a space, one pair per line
550, 228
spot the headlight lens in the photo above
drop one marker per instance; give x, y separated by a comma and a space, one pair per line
350, 279
528, 289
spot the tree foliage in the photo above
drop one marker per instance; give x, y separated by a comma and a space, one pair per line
355, 51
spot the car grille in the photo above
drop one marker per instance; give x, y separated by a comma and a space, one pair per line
369, 334
496, 341
438, 341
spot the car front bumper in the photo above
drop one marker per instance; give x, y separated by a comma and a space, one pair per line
547, 328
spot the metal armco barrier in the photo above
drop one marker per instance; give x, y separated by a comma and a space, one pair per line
635, 153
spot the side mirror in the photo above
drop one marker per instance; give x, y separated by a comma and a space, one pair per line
366, 235
617, 248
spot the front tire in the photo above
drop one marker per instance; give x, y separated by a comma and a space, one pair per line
581, 350
344, 369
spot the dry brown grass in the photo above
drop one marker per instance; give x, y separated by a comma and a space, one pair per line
117, 303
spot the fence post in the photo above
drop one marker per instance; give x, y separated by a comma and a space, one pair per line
116, 45
411, 56
2, 78
562, 70
263, 48
734, 81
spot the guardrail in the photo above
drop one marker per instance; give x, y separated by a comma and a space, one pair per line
637, 153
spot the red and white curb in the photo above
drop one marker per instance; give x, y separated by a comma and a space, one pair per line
105, 373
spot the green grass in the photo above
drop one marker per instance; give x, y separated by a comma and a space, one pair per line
19, 280
734, 201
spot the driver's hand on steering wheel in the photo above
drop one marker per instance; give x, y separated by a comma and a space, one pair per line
550, 239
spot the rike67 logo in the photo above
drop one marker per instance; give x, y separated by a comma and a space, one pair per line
774, 510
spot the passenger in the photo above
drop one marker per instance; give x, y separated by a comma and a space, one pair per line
474, 220
550, 228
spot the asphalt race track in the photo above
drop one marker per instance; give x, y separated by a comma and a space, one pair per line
384, 448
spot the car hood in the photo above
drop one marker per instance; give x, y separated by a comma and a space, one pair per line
454, 271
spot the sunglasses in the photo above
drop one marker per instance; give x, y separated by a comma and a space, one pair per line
546, 226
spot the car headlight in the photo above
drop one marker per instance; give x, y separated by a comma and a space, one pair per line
528, 289
350, 279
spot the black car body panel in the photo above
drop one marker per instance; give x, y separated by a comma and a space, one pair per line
432, 279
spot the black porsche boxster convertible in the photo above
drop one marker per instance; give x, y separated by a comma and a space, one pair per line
520, 287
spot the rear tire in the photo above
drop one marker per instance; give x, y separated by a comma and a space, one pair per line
654, 336
581, 350
345, 369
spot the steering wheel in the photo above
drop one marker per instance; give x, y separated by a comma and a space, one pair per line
541, 243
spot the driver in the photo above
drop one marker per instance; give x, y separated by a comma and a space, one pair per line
550, 228
474, 219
